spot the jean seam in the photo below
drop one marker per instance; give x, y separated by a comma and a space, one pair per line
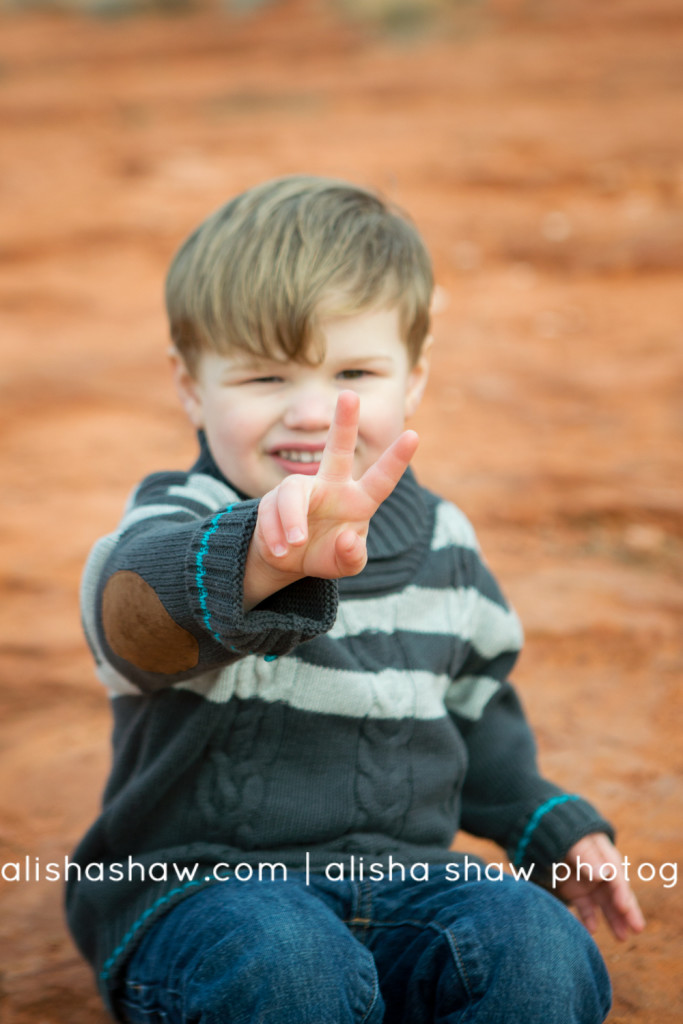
434, 926
460, 964
156, 1012
362, 913
373, 1002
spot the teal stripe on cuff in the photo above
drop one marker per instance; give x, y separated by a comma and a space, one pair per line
535, 819
200, 573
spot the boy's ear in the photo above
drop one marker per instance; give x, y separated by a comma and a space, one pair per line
188, 389
418, 376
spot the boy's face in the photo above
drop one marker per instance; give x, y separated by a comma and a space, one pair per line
265, 419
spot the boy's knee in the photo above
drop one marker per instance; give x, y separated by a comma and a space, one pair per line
286, 972
555, 955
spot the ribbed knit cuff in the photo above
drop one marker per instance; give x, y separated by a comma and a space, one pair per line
552, 829
215, 582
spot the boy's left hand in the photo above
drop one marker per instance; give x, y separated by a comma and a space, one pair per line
590, 894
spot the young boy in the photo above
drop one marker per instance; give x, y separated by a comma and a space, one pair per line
308, 665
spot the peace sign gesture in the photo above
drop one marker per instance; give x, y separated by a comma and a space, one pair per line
317, 525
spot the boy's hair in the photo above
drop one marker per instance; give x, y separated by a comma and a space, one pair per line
261, 271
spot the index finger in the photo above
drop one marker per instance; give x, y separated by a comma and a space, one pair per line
623, 905
336, 464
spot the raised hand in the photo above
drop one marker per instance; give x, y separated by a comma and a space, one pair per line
317, 525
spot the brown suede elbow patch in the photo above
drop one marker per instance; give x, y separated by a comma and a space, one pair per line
139, 629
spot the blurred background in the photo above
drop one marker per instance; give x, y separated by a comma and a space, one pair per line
538, 146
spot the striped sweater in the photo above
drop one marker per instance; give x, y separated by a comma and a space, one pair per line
370, 716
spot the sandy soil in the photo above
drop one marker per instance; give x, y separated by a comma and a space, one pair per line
538, 146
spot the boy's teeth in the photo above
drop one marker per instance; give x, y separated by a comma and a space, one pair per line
291, 455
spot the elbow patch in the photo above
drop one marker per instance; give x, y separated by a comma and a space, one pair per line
139, 629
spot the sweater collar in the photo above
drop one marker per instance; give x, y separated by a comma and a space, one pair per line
207, 464
399, 521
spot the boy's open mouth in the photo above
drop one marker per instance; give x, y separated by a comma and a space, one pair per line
298, 460
297, 455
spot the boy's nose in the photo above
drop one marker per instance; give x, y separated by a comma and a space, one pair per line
311, 409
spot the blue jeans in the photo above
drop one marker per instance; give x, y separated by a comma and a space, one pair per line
282, 952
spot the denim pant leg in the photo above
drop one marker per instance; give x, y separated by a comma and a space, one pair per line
491, 952
251, 953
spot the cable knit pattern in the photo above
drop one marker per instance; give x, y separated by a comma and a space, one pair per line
370, 716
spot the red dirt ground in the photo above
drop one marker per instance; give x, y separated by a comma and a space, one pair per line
539, 148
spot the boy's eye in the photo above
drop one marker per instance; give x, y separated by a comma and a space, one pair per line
264, 380
353, 374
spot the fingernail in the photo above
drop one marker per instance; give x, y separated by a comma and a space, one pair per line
279, 550
295, 536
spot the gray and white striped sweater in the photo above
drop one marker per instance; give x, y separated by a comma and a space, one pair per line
370, 716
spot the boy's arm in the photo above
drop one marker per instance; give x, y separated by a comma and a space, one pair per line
505, 798
189, 585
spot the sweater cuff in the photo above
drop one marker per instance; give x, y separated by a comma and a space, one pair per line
215, 581
551, 830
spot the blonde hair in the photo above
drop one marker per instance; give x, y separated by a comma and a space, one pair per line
262, 271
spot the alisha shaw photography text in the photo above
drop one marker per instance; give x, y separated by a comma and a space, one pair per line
31, 869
